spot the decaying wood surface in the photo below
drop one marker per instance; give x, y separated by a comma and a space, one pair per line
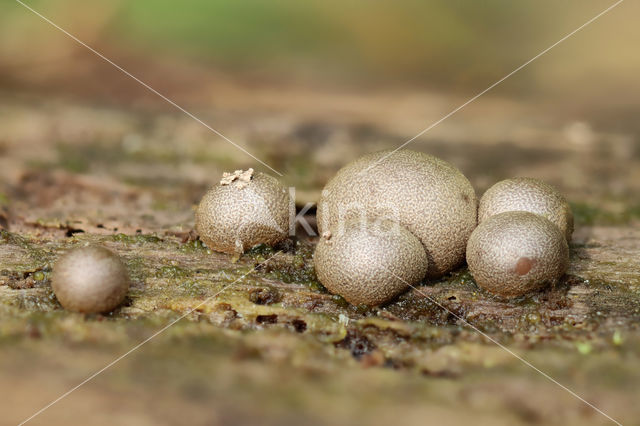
266, 343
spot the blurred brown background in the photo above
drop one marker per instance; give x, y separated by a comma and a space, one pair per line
308, 87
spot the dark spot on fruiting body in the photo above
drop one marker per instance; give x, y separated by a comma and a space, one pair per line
524, 265
465, 198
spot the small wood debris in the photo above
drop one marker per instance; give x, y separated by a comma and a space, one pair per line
242, 178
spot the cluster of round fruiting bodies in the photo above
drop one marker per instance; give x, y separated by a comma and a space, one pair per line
387, 221
429, 201
519, 246
390, 219
521, 242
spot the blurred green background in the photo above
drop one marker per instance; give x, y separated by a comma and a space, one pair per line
443, 45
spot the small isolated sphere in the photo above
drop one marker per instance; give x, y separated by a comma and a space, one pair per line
244, 210
370, 262
426, 195
90, 279
514, 253
530, 195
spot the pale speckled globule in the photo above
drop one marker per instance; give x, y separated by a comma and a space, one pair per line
90, 279
370, 262
514, 253
531, 195
426, 195
234, 217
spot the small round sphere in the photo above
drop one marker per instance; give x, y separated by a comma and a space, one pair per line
514, 253
530, 195
370, 262
426, 195
90, 279
244, 210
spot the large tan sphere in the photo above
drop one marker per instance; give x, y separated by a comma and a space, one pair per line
244, 210
370, 262
514, 253
90, 279
426, 195
530, 195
